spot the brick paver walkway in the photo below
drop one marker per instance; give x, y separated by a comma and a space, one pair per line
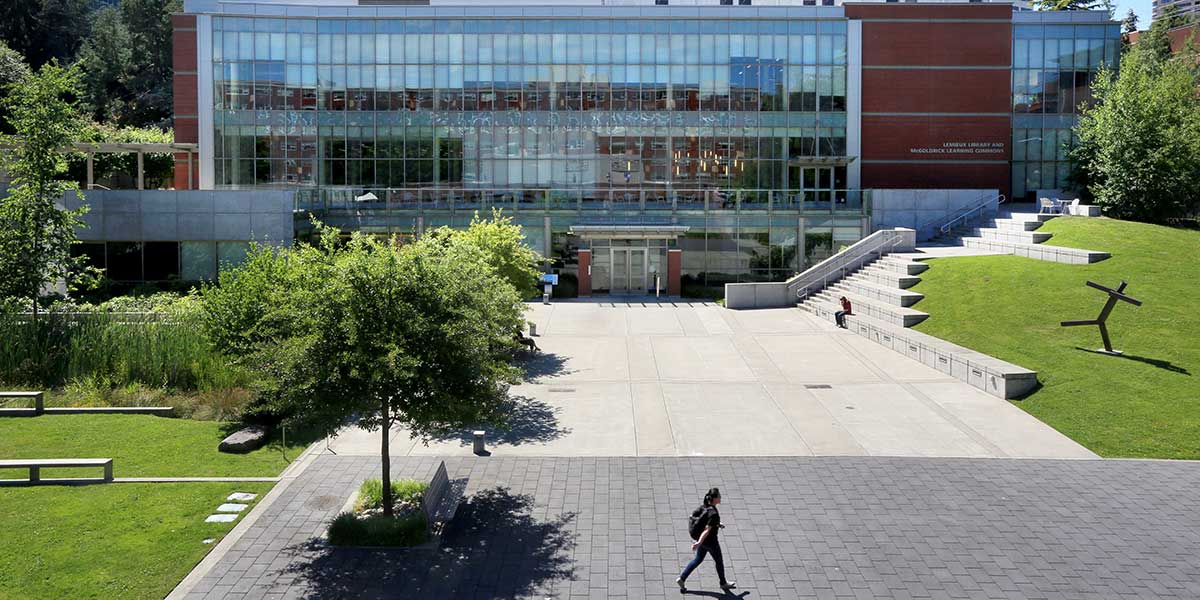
850, 527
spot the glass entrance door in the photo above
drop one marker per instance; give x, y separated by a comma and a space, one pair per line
628, 271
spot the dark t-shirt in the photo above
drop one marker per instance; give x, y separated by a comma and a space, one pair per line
713, 520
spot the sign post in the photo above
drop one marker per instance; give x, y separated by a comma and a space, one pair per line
549, 280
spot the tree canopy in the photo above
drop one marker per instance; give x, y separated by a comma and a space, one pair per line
35, 234
1139, 144
419, 335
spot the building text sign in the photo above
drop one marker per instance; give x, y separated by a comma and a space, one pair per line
960, 148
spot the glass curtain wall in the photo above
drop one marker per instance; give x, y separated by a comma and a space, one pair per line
721, 123
1054, 67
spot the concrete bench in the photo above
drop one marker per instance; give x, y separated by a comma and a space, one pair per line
35, 466
39, 404
441, 499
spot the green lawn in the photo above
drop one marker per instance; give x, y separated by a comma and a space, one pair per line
107, 541
140, 446
1144, 404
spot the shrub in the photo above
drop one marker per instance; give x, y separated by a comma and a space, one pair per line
349, 529
370, 493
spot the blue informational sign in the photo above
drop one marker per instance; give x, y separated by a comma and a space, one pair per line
550, 278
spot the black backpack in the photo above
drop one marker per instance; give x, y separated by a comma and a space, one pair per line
697, 522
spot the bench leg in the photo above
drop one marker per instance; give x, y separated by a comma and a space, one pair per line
35, 474
108, 473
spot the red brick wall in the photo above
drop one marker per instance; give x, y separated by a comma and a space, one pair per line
935, 95
185, 84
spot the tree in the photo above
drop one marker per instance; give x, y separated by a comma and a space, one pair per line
503, 246
419, 335
1068, 4
1130, 23
12, 69
106, 62
45, 30
1139, 145
35, 234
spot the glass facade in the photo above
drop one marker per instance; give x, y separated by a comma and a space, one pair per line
1052, 74
699, 121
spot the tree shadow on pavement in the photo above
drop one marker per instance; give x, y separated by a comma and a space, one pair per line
493, 548
539, 365
527, 420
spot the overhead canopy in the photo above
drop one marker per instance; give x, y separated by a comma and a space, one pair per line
628, 231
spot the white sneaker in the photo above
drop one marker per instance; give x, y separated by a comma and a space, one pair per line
682, 587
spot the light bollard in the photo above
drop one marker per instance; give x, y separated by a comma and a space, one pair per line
479, 448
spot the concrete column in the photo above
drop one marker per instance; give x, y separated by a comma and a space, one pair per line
803, 262
420, 226
585, 272
190, 184
547, 246
91, 179
141, 168
674, 271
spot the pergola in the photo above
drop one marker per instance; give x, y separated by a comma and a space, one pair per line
91, 150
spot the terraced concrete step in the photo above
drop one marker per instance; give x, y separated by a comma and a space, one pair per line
890, 295
1007, 235
1059, 254
990, 374
883, 276
1028, 216
896, 315
1016, 225
901, 265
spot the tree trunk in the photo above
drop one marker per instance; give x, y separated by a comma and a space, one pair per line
387, 460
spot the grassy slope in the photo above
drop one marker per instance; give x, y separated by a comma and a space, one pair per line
1145, 404
106, 541
140, 446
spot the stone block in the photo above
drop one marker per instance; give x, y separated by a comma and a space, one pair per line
195, 202
245, 440
122, 226
232, 202
159, 201
241, 497
223, 518
232, 507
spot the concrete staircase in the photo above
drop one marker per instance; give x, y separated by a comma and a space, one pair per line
877, 290
1013, 231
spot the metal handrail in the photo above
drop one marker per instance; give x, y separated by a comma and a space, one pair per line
852, 262
951, 224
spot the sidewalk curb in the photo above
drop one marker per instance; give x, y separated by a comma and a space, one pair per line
285, 479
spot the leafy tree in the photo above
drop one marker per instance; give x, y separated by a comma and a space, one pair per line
1130, 23
106, 61
1139, 145
35, 234
1068, 4
418, 335
503, 246
45, 30
12, 69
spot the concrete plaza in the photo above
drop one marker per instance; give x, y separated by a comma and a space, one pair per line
797, 527
677, 378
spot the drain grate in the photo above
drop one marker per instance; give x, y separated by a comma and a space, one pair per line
817, 386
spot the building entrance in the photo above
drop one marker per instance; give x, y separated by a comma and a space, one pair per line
628, 270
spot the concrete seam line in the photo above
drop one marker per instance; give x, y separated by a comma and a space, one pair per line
792, 425
210, 560
957, 422
859, 356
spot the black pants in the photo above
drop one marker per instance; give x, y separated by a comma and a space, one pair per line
840, 317
714, 549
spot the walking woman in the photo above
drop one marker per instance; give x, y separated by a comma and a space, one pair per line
704, 527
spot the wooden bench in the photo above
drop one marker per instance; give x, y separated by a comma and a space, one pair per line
441, 499
39, 404
35, 466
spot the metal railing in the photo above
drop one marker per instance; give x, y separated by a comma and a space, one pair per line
837, 266
948, 226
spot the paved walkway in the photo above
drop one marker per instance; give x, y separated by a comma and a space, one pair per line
842, 527
644, 378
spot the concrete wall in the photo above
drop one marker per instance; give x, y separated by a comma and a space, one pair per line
916, 209
169, 215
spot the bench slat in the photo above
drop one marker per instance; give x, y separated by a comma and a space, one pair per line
55, 462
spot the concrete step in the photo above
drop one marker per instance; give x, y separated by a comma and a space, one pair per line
1027, 216
883, 276
992, 375
901, 265
1016, 225
887, 294
896, 315
1007, 235
1074, 256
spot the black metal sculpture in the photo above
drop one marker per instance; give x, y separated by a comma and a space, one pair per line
1113, 296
